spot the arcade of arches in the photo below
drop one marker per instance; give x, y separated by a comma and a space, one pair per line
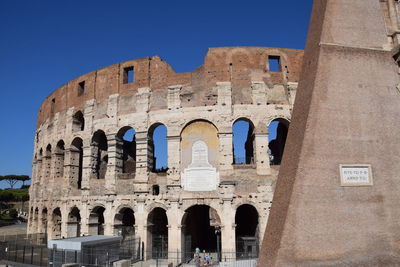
183, 224
200, 226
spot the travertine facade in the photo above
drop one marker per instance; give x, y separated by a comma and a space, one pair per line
88, 180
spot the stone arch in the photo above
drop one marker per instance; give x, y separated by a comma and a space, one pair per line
157, 233
198, 120
201, 225
96, 220
157, 147
247, 231
277, 132
99, 146
74, 222
76, 163
154, 205
78, 122
243, 141
124, 221
55, 223
126, 146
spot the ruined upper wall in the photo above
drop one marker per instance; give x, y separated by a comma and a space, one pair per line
239, 65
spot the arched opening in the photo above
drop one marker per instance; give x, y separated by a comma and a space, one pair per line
277, 133
199, 154
56, 224
99, 154
124, 222
243, 141
96, 221
43, 228
76, 162
74, 223
246, 220
127, 138
201, 227
157, 148
59, 162
78, 122
157, 233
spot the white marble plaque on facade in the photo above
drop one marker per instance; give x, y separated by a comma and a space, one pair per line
200, 175
355, 174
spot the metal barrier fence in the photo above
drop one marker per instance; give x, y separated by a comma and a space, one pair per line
104, 255
130, 248
25, 253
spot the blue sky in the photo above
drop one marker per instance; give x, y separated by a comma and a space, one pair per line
44, 44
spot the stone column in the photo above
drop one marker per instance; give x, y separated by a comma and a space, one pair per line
228, 236
109, 218
173, 159
87, 168
112, 166
174, 233
141, 222
173, 98
84, 213
226, 153
141, 176
64, 219
262, 157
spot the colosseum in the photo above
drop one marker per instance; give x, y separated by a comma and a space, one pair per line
207, 181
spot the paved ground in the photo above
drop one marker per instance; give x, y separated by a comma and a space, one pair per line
13, 229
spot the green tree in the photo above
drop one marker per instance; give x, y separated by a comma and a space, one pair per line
12, 179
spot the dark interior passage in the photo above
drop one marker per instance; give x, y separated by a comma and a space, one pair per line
246, 220
199, 230
157, 228
124, 222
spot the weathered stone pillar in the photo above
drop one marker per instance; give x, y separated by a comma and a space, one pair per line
87, 168
141, 159
174, 173
109, 218
262, 157
64, 219
174, 232
111, 174
141, 224
84, 213
225, 152
228, 236
173, 98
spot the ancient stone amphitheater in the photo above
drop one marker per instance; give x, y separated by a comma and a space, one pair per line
97, 169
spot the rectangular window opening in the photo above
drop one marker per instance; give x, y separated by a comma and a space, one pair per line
274, 63
129, 75
81, 88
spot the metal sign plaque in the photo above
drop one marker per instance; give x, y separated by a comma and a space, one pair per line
355, 174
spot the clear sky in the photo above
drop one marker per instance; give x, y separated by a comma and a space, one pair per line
46, 43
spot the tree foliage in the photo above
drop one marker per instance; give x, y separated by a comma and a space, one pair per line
12, 179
